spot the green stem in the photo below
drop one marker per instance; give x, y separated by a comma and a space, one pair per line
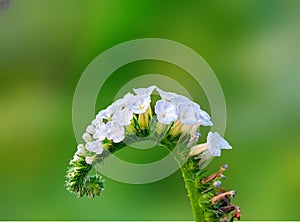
193, 193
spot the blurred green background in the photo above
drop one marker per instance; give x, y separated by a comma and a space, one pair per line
253, 47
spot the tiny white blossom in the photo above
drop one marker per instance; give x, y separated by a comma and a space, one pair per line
187, 114
115, 132
145, 91
80, 149
215, 143
87, 137
123, 117
202, 116
139, 103
89, 160
100, 132
75, 158
166, 112
127, 98
90, 129
117, 105
166, 95
105, 114
80, 146
97, 121
95, 146
179, 99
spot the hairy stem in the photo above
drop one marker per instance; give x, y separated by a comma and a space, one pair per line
193, 193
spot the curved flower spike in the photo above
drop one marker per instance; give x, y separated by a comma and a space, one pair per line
172, 122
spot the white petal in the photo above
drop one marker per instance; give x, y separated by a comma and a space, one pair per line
80, 146
90, 129
166, 112
204, 118
127, 98
79, 151
166, 95
139, 104
87, 137
96, 121
89, 160
202, 115
179, 99
115, 132
215, 143
225, 144
187, 114
144, 91
95, 146
76, 158
123, 117
100, 132
104, 114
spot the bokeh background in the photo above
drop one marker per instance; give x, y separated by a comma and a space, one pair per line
253, 47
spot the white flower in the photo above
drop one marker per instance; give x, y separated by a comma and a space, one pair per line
145, 91
179, 99
117, 105
115, 132
97, 121
90, 129
89, 160
80, 149
215, 143
211, 148
187, 114
95, 146
100, 132
87, 137
166, 112
166, 95
75, 158
80, 146
104, 114
123, 117
140, 103
202, 116
127, 98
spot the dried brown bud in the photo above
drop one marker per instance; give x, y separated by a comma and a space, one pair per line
221, 196
215, 175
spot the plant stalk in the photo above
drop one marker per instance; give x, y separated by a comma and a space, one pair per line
192, 191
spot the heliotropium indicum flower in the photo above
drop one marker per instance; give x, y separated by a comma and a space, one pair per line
166, 112
171, 120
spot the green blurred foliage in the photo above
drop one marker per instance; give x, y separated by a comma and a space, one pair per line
253, 47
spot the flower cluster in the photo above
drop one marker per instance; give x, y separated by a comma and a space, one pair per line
166, 118
133, 114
